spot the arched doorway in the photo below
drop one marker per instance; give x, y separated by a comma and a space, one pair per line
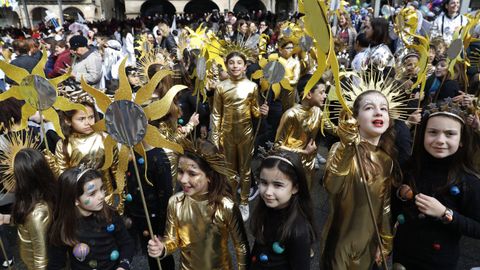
282, 7
152, 8
38, 15
71, 14
200, 6
249, 5
8, 17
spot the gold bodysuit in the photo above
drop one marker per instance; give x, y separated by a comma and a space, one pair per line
297, 126
33, 237
204, 242
292, 73
349, 240
89, 149
234, 105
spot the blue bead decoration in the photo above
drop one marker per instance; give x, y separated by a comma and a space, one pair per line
129, 197
111, 228
180, 121
401, 219
454, 190
277, 248
141, 161
114, 255
263, 257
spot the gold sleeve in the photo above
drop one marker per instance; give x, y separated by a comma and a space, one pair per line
217, 112
254, 106
283, 133
61, 159
37, 225
339, 166
171, 235
238, 235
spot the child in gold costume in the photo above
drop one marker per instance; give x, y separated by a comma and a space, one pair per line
299, 127
349, 235
202, 218
82, 145
235, 104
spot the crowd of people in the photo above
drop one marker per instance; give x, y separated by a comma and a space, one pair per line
401, 123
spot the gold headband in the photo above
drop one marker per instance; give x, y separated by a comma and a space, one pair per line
280, 158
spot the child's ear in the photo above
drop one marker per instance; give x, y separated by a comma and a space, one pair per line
294, 190
77, 202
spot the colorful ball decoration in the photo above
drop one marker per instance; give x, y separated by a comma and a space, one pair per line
114, 255
405, 193
263, 257
80, 251
141, 161
110, 228
277, 248
454, 190
129, 197
401, 219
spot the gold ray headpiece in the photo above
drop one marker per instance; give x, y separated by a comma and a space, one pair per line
215, 160
220, 49
10, 144
354, 84
154, 57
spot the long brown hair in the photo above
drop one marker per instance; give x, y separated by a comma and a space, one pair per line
64, 227
35, 182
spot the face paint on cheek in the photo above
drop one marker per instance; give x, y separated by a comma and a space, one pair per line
86, 202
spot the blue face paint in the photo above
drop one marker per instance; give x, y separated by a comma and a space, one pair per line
90, 187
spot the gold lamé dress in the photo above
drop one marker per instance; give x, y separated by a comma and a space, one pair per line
297, 126
203, 242
292, 73
33, 237
349, 240
235, 102
89, 149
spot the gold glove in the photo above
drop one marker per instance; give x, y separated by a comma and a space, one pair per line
348, 129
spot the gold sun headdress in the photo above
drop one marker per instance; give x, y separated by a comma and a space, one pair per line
215, 159
126, 122
10, 144
153, 57
39, 93
354, 84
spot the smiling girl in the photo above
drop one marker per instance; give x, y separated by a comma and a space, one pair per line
85, 229
282, 221
447, 187
202, 218
349, 235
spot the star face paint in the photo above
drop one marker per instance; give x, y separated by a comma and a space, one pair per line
191, 177
93, 197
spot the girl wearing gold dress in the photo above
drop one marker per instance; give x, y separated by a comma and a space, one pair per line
35, 195
202, 218
349, 235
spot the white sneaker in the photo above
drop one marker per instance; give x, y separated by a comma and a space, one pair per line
245, 211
